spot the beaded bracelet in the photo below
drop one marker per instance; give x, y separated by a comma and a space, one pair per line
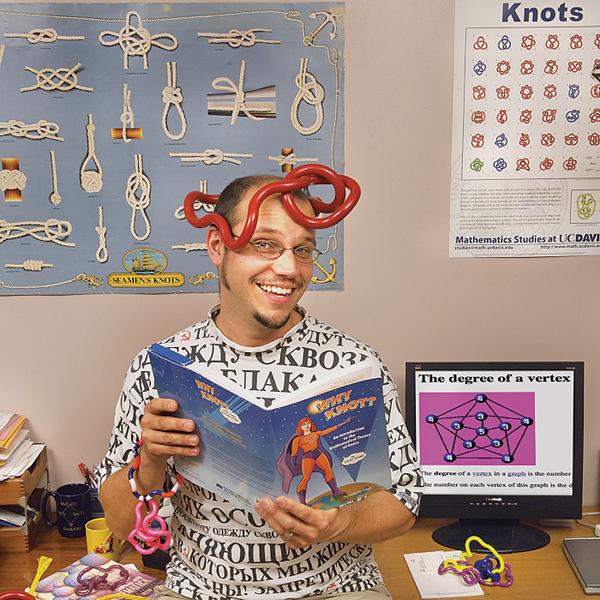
143, 529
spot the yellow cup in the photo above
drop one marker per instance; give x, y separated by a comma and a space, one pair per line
101, 540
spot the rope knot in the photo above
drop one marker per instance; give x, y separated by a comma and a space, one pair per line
306, 82
42, 35
213, 157
171, 95
136, 181
91, 182
33, 265
12, 180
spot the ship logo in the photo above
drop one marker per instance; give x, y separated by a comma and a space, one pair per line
145, 269
145, 261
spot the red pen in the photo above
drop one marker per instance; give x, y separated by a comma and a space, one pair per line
84, 472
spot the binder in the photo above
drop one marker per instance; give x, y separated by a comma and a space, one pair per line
583, 555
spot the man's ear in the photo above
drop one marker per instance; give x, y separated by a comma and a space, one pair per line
215, 246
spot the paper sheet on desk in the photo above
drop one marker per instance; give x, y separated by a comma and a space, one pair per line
21, 459
424, 569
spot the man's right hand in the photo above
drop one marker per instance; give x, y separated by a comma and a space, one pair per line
163, 435
166, 435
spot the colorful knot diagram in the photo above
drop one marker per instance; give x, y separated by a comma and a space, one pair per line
482, 431
536, 85
586, 206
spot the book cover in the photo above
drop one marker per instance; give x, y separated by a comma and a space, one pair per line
64, 584
325, 446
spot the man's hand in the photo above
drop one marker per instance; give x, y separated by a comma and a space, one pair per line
378, 517
165, 435
297, 524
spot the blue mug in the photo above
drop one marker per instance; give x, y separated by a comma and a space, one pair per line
72, 509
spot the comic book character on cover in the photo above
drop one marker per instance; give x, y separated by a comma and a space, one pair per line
304, 453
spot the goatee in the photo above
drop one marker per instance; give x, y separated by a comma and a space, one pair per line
271, 323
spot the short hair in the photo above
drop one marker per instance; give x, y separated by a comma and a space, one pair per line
236, 191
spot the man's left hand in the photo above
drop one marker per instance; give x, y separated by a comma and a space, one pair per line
296, 524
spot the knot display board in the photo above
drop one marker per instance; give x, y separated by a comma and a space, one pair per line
113, 113
526, 129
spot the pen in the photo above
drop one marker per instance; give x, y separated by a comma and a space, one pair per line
89, 479
92, 476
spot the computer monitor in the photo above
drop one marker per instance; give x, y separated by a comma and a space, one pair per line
498, 442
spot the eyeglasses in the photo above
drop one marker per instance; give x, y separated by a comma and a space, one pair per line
272, 250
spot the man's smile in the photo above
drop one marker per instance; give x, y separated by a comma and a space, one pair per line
274, 289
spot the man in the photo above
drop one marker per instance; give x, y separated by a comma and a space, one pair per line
260, 338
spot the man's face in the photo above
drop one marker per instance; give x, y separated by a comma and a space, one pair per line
257, 293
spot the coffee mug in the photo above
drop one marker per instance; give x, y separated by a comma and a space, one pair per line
101, 540
72, 509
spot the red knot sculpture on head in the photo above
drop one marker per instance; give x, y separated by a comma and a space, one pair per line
299, 178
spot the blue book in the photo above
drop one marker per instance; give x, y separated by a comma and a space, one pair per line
324, 447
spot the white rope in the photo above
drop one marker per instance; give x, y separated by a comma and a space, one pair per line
66, 80
53, 230
332, 241
91, 181
191, 246
172, 96
332, 57
236, 38
2, 53
35, 131
290, 159
31, 265
239, 104
91, 280
102, 252
136, 40
47, 36
127, 114
54, 196
138, 180
202, 277
210, 157
179, 213
314, 98
12, 180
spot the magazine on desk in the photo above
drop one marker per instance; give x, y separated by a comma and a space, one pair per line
64, 584
325, 447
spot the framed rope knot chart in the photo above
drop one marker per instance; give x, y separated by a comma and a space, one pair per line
111, 113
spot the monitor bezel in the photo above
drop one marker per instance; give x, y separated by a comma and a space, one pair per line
484, 506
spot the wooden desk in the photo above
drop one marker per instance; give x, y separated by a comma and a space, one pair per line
539, 574
18, 570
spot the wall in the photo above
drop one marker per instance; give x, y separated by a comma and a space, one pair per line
62, 359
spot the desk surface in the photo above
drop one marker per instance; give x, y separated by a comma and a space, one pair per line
18, 570
540, 574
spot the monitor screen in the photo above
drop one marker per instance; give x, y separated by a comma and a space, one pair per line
498, 442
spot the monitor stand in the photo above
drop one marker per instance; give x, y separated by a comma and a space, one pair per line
504, 535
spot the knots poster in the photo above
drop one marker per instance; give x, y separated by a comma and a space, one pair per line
526, 131
111, 113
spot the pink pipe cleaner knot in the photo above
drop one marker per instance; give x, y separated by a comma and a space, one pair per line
144, 530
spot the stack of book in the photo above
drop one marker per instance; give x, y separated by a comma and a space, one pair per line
17, 451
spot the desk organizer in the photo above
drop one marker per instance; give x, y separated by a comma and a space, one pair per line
23, 491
